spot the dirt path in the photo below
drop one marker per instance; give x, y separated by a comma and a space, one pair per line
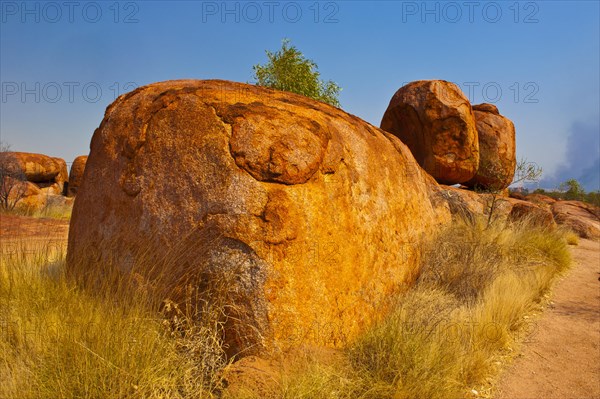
22, 234
561, 359
14, 226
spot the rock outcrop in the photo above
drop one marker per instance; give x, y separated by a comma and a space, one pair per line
37, 168
497, 150
76, 175
540, 199
63, 175
435, 120
27, 196
470, 205
308, 218
582, 218
535, 214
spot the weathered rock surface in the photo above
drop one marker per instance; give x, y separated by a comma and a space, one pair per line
76, 174
486, 107
537, 215
497, 149
540, 199
316, 213
28, 196
581, 217
435, 120
36, 167
63, 174
464, 203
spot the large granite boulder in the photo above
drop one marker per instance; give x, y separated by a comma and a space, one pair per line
497, 149
303, 218
76, 175
435, 120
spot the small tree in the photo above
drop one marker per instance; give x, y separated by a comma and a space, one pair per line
288, 70
12, 180
572, 189
525, 172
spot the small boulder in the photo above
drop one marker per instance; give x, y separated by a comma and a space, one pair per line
497, 150
538, 216
486, 107
435, 120
28, 196
470, 205
50, 189
76, 175
516, 195
63, 174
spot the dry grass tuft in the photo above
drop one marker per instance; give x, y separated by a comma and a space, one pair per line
63, 340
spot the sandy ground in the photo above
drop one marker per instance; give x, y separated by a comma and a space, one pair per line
561, 358
13, 226
20, 234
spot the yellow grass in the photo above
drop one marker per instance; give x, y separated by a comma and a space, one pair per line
444, 338
52, 211
449, 334
59, 341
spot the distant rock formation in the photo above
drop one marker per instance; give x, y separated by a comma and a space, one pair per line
35, 178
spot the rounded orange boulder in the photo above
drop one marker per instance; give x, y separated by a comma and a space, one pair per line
435, 120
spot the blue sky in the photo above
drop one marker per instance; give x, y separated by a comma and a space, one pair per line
62, 63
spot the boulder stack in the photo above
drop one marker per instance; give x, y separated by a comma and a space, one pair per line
435, 120
33, 178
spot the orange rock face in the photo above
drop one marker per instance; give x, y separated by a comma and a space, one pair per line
315, 213
497, 149
76, 174
435, 120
